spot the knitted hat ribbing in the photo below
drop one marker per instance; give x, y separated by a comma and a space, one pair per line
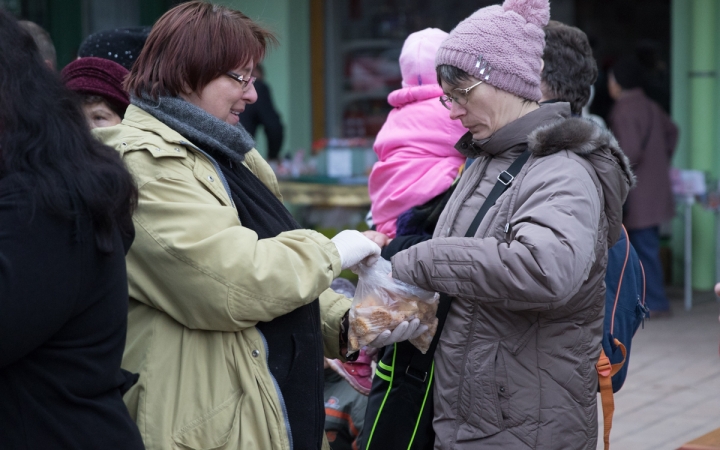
97, 76
502, 45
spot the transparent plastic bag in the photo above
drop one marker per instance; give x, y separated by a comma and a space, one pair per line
382, 302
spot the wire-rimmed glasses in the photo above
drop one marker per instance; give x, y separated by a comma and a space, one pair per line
461, 98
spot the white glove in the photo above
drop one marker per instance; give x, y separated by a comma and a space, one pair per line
403, 332
354, 248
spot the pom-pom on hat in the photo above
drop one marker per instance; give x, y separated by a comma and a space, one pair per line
97, 76
501, 45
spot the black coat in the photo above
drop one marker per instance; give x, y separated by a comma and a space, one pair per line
262, 112
63, 317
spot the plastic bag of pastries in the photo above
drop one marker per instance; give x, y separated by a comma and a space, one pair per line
382, 302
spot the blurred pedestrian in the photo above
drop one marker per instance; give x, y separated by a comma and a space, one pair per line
43, 41
120, 45
514, 367
230, 311
99, 83
417, 161
65, 225
263, 113
648, 137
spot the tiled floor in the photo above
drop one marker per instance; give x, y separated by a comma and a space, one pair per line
672, 393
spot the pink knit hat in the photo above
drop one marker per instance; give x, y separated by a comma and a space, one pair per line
502, 45
417, 59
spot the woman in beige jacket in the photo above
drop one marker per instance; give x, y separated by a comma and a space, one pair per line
230, 312
515, 364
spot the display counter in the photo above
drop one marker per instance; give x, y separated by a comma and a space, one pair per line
325, 192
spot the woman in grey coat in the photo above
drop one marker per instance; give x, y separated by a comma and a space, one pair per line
515, 366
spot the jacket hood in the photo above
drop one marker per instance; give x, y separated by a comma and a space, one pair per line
601, 149
412, 94
417, 58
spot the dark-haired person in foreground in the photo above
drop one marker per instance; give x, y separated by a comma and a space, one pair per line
648, 137
65, 224
230, 306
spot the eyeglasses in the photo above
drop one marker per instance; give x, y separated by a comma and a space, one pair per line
241, 79
461, 98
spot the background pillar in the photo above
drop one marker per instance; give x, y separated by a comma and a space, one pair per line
702, 129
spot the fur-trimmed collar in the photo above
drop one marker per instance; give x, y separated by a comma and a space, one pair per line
600, 148
580, 136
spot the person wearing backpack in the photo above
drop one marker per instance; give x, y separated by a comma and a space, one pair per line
515, 363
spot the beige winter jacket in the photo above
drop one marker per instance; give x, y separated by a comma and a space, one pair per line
199, 282
515, 364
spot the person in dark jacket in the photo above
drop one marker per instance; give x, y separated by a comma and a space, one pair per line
65, 224
648, 137
263, 113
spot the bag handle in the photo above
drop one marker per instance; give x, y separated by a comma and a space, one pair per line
605, 372
419, 365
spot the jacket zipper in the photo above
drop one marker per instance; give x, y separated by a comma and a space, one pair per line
217, 169
277, 389
286, 418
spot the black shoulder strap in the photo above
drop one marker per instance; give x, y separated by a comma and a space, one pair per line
420, 364
504, 180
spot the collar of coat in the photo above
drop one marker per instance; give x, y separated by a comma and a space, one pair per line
580, 136
551, 129
514, 133
600, 148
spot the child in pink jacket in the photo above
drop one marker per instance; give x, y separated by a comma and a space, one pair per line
417, 160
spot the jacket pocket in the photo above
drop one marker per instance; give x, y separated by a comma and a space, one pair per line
478, 400
516, 378
217, 429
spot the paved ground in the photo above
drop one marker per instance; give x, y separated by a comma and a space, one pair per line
672, 393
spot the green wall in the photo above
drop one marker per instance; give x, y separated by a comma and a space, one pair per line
695, 105
287, 67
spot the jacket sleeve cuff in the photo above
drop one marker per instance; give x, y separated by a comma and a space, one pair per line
333, 307
409, 265
331, 249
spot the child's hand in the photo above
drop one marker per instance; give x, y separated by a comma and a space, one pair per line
380, 239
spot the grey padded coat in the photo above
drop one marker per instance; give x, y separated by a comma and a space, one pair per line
515, 365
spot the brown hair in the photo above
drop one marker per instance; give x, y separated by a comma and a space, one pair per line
570, 68
191, 45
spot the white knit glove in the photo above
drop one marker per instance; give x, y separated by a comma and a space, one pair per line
402, 332
354, 248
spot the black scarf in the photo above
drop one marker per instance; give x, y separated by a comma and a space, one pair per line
295, 347
258, 208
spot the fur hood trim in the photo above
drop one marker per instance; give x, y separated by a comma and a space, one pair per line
599, 147
580, 136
